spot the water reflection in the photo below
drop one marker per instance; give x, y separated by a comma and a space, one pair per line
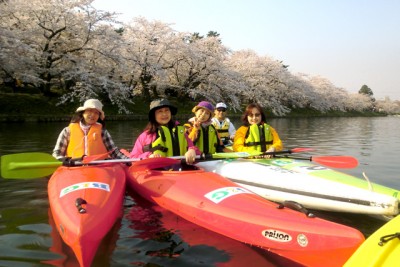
173, 241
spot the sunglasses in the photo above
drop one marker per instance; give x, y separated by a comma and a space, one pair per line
254, 115
221, 109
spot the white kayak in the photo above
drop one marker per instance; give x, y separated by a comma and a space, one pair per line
312, 192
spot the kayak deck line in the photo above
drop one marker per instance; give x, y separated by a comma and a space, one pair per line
370, 186
310, 194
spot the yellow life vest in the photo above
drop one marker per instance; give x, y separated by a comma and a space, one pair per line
94, 141
207, 140
223, 130
259, 136
169, 142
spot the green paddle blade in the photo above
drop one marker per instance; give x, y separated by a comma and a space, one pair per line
247, 154
234, 155
28, 165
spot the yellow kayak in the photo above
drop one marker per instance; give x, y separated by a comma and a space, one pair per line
381, 249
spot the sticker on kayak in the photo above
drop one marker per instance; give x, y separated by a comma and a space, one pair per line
302, 240
220, 194
94, 185
309, 169
276, 235
301, 169
281, 162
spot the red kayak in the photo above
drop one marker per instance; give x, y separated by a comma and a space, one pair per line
214, 202
85, 202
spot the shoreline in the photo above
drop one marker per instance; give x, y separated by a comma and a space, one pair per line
4, 118
65, 118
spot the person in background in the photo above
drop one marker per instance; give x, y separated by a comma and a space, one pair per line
202, 132
163, 136
223, 125
86, 135
256, 134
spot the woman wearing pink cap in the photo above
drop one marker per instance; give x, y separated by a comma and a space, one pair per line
202, 132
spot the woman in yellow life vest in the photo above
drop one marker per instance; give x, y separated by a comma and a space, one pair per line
202, 132
256, 134
86, 135
163, 136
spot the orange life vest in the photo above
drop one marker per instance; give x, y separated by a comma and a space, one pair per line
78, 141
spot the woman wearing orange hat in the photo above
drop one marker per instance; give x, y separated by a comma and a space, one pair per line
86, 135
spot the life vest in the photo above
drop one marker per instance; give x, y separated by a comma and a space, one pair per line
169, 142
207, 140
223, 130
92, 141
259, 136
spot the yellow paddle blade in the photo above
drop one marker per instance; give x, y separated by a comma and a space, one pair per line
247, 154
28, 165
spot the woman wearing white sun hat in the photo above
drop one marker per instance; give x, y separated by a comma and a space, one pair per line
86, 135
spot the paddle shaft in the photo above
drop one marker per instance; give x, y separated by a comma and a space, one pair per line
124, 160
38, 164
247, 154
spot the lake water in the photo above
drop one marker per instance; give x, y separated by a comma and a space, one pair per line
150, 236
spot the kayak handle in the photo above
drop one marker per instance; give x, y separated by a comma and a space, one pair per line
78, 203
387, 238
296, 206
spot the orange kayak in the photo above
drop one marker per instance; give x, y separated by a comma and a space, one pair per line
214, 202
85, 203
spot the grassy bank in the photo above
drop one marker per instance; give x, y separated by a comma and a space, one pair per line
34, 107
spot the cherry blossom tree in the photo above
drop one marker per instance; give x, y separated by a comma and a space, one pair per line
165, 62
200, 71
387, 106
358, 102
73, 49
60, 43
266, 80
148, 46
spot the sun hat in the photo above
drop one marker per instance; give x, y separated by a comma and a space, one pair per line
221, 105
93, 103
205, 105
160, 103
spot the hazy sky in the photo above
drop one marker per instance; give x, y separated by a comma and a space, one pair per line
349, 42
